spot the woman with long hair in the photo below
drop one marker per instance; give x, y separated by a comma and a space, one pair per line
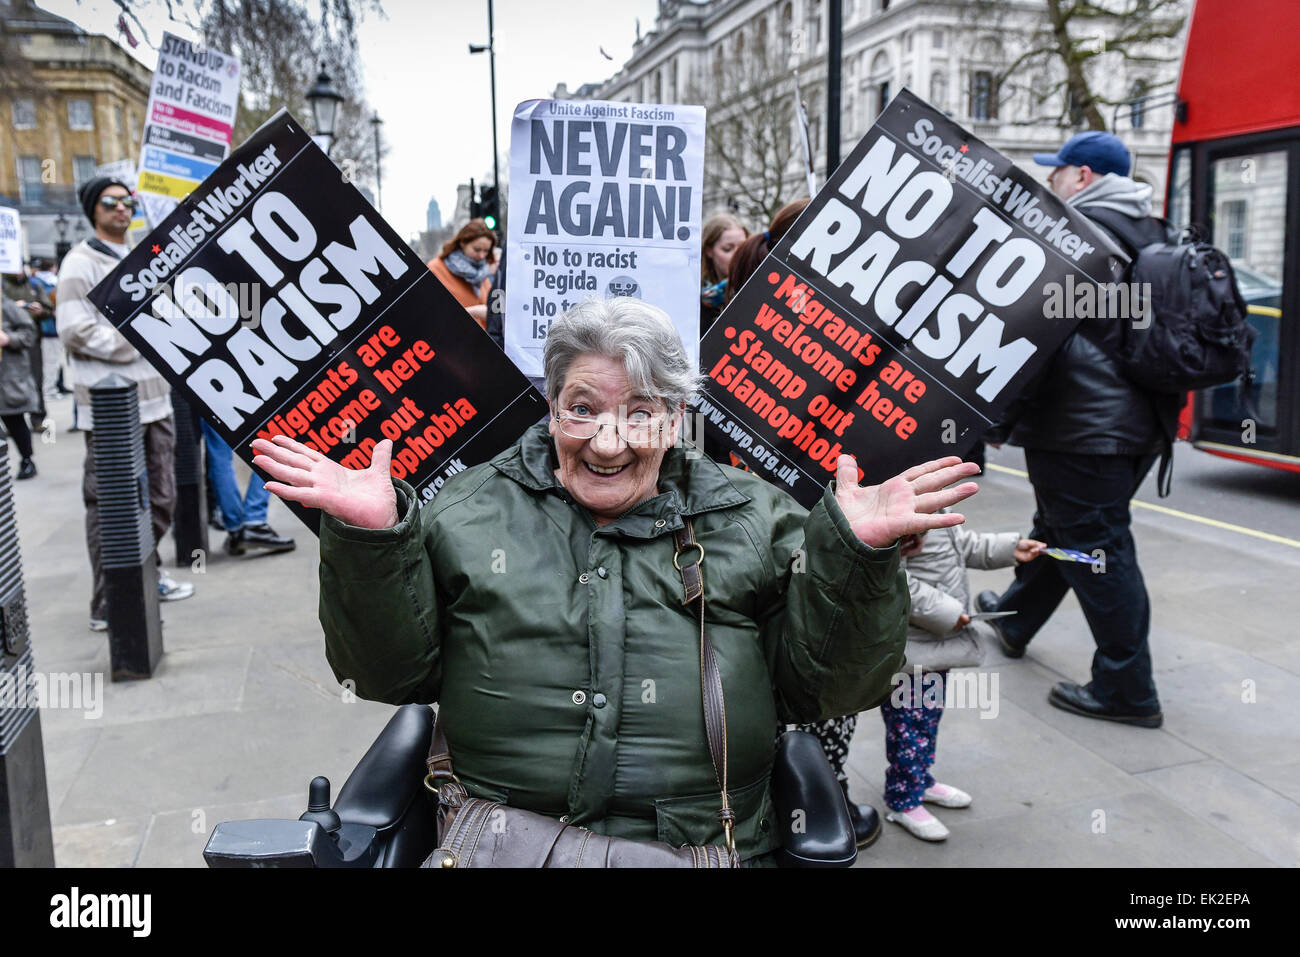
465, 267
721, 236
754, 249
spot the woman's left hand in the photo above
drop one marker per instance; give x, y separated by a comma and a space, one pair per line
882, 514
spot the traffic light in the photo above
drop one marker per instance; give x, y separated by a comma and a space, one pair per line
489, 206
475, 207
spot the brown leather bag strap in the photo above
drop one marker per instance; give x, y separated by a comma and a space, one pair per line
712, 699
692, 573
439, 760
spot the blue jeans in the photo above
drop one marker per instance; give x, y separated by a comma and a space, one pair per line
1083, 503
236, 510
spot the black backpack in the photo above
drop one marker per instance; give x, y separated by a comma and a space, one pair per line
1193, 333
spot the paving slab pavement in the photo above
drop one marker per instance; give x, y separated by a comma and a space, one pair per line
244, 710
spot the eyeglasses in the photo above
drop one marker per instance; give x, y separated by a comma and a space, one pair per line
112, 202
641, 428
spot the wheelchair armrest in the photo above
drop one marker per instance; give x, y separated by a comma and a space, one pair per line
814, 817
384, 815
277, 843
390, 776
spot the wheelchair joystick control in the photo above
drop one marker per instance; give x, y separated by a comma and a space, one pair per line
318, 806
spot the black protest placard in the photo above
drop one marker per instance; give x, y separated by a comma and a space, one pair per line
900, 314
279, 302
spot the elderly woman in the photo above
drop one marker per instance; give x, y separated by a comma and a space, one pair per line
536, 597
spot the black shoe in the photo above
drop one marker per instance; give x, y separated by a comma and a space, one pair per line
866, 822
27, 469
987, 600
1078, 699
264, 536
234, 544
215, 523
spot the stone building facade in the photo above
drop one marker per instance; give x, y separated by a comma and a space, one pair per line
70, 101
949, 52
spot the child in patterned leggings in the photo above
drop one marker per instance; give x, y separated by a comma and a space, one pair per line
911, 717
941, 635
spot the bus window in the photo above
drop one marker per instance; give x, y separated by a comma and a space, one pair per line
1248, 209
1180, 193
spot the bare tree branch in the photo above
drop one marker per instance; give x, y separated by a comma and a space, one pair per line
277, 74
751, 139
1079, 42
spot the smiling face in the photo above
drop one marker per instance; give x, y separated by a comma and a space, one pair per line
722, 251
604, 474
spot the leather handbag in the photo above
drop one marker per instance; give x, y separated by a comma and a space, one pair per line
473, 832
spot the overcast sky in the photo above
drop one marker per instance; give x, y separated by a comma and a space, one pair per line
432, 95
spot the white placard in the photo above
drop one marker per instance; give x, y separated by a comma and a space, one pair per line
188, 124
11, 241
605, 200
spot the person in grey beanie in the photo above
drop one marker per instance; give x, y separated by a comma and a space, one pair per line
96, 349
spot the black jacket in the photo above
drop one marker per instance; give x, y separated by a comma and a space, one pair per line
1082, 402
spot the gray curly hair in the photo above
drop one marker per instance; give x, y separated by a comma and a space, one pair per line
632, 331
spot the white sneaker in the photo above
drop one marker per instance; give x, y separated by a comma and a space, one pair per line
945, 795
926, 830
171, 590
99, 624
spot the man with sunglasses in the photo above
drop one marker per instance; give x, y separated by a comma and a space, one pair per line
95, 349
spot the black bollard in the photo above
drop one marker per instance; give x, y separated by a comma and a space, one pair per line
190, 518
25, 836
126, 531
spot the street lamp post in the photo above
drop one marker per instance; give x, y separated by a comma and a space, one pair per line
324, 100
835, 41
379, 189
61, 248
492, 71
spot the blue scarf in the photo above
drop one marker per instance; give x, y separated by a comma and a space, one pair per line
461, 265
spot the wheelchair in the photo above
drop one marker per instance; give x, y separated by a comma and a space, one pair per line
385, 817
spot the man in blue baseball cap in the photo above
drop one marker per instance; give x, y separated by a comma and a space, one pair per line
1090, 436
1085, 158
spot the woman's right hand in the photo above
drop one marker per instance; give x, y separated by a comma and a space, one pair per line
361, 497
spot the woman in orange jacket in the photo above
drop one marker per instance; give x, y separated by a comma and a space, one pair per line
465, 267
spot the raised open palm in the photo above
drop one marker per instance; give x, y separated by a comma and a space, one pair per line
881, 514
360, 497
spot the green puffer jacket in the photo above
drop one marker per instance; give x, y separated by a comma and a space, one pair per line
561, 655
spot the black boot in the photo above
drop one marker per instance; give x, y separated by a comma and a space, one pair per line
264, 536
26, 469
866, 821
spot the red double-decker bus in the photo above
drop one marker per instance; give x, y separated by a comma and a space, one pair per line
1235, 169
